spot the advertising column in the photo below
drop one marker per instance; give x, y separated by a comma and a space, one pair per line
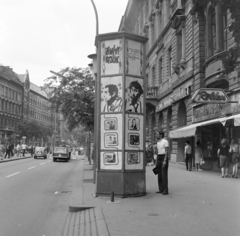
121, 164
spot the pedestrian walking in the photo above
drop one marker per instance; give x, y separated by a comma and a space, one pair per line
150, 155
24, 147
18, 150
188, 155
11, 149
223, 154
198, 156
162, 163
8, 151
235, 153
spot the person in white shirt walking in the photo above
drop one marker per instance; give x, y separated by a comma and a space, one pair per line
24, 147
188, 155
162, 163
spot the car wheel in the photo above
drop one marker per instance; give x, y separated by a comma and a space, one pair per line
54, 159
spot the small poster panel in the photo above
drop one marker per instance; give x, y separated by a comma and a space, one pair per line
111, 160
111, 131
134, 95
134, 57
111, 94
134, 132
111, 57
134, 160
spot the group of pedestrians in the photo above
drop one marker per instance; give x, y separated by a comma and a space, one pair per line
9, 150
160, 150
227, 153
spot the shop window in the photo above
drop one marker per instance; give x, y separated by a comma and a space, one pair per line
182, 114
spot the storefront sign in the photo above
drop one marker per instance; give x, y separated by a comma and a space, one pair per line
164, 104
211, 111
176, 96
210, 95
181, 93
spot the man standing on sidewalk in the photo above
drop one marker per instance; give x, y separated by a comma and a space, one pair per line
162, 163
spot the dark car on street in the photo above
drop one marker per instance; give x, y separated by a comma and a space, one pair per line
61, 153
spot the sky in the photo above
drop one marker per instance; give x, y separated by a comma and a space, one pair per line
44, 35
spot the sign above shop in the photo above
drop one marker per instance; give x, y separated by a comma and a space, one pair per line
210, 95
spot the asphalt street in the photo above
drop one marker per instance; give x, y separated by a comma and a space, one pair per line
34, 197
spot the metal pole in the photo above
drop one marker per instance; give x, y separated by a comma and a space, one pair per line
95, 161
96, 15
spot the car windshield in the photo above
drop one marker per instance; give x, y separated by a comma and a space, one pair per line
60, 149
39, 149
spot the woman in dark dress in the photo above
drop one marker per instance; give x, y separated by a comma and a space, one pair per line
223, 154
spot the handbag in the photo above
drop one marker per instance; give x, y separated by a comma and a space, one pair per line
155, 170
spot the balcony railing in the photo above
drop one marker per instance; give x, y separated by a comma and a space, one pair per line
152, 92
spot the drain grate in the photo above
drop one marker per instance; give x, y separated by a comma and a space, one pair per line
66, 192
88, 181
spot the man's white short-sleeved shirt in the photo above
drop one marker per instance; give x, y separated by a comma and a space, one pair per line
161, 145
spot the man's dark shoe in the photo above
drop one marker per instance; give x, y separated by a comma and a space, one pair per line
164, 193
161, 191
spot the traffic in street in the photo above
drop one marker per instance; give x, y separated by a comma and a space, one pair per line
35, 196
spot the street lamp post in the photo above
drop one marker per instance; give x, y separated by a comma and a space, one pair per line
95, 76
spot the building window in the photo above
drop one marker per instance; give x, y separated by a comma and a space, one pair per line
146, 10
179, 47
170, 61
225, 31
154, 75
160, 67
213, 32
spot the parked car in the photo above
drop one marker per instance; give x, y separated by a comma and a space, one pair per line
40, 152
61, 153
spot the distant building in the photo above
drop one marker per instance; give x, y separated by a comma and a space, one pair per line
11, 94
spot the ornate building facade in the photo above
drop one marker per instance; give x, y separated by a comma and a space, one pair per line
11, 94
186, 39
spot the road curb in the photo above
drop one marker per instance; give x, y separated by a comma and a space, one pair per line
15, 159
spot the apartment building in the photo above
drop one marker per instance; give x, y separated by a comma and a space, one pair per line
11, 93
185, 41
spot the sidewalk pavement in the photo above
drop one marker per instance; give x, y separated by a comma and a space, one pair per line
199, 203
15, 158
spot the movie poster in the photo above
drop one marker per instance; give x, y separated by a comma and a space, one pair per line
111, 94
134, 95
134, 58
111, 57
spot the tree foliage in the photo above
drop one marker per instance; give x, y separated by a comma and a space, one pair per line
73, 95
31, 128
230, 58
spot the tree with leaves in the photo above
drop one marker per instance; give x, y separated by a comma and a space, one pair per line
230, 59
31, 128
73, 94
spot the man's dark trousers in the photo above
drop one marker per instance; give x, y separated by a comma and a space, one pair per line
162, 173
188, 161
